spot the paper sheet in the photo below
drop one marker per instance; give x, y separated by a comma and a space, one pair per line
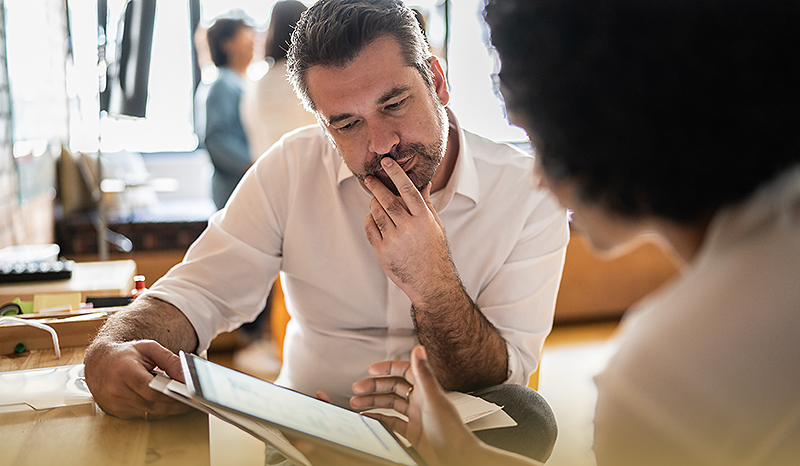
476, 413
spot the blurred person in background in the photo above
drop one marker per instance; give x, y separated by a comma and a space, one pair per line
230, 41
270, 107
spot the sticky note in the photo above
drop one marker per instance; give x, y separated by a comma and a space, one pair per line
51, 302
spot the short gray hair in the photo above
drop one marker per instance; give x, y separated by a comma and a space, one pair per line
333, 33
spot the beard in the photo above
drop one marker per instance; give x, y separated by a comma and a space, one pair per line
426, 158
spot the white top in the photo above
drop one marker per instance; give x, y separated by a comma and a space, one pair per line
301, 211
708, 370
270, 108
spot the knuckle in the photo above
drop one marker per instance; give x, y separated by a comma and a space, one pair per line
115, 390
372, 237
373, 386
151, 396
394, 207
381, 223
374, 208
408, 188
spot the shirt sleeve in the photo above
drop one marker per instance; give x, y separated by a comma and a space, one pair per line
529, 282
508, 238
226, 276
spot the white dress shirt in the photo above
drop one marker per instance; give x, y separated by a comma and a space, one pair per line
301, 211
708, 370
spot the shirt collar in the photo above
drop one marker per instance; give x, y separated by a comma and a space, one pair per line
776, 202
463, 181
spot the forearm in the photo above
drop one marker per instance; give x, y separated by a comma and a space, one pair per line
466, 351
149, 319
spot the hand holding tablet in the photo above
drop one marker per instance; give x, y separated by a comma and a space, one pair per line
298, 415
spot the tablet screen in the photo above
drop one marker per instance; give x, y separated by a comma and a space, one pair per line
284, 407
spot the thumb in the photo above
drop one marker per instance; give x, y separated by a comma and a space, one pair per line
322, 396
422, 372
162, 358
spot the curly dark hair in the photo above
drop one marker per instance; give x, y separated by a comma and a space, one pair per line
219, 33
334, 32
670, 108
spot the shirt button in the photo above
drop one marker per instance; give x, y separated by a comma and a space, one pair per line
397, 358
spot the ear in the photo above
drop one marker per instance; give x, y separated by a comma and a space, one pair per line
439, 81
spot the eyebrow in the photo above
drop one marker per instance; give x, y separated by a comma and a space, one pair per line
391, 94
340, 117
394, 92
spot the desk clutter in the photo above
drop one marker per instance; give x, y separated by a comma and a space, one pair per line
63, 313
20, 334
50, 418
43, 388
47, 415
33, 263
36, 271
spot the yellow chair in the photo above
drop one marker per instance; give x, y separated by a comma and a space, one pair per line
278, 317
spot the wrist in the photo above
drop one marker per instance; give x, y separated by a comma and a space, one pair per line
443, 291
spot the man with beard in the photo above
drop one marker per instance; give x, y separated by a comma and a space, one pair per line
480, 298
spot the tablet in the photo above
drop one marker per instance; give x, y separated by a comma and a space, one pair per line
294, 412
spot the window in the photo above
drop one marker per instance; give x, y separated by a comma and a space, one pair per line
471, 66
168, 125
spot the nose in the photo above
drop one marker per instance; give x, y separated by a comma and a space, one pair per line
382, 136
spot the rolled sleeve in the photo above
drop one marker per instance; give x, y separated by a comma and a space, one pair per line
508, 239
519, 296
529, 289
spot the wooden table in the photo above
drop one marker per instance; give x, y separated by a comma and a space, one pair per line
96, 279
85, 436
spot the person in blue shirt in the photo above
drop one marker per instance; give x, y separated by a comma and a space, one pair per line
230, 42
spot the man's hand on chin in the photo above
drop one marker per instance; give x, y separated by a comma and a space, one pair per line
408, 236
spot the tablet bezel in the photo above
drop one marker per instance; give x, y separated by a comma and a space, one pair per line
194, 385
